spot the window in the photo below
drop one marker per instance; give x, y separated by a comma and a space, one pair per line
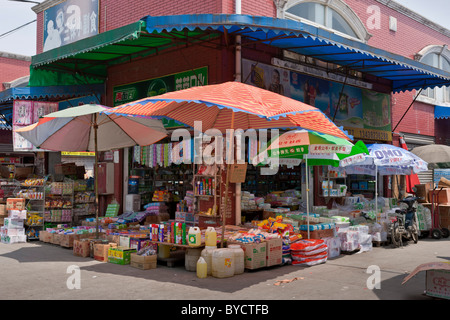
334, 15
438, 57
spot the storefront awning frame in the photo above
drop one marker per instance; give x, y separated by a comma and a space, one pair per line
152, 35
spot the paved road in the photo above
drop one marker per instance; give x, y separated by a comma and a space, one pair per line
37, 270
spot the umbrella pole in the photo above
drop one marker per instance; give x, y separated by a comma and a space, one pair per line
96, 175
307, 192
376, 193
227, 183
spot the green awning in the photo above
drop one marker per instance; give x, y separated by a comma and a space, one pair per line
86, 61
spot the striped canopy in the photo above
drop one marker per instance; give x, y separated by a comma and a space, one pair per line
232, 105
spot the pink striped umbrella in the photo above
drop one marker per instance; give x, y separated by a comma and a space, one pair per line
232, 105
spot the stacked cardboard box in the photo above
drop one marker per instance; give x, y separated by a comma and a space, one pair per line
13, 230
143, 262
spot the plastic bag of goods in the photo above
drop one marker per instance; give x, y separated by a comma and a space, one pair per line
334, 246
309, 252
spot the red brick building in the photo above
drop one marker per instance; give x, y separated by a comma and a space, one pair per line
381, 24
12, 67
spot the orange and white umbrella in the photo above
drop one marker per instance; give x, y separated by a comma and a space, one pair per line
232, 105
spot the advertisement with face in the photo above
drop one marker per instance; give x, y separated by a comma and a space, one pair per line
365, 113
70, 21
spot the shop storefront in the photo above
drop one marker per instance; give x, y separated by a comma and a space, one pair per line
349, 84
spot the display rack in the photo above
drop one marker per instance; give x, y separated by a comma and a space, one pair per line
32, 190
362, 184
260, 185
328, 183
84, 201
59, 202
19, 166
206, 183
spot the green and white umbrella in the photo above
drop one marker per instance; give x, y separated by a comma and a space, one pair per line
315, 148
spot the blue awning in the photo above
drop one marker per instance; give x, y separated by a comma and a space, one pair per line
8, 96
441, 112
404, 74
61, 92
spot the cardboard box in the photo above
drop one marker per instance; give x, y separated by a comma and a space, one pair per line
67, 240
15, 204
66, 168
3, 211
120, 255
437, 284
13, 232
255, 255
12, 223
13, 239
124, 241
81, 248
22, 172
115, 238
46, 236
440, 196
17, 214
274, 252
56, 238
423, 191
101, 251
143, 262
138, 244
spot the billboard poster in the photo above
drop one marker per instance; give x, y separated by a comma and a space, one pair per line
267, 77
70, 21
364, 113
156, 86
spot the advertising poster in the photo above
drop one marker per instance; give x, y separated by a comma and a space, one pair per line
364, 113
22, 112
70, 21
267, 77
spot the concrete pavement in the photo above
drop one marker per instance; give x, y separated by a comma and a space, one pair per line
42, 271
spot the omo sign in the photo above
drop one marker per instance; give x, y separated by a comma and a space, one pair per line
70, 21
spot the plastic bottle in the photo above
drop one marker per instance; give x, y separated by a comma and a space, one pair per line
239, 258
210, 237
201, 268
195, 237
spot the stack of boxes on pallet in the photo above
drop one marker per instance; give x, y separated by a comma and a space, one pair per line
13, 229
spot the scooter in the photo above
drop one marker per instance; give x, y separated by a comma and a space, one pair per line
404, 224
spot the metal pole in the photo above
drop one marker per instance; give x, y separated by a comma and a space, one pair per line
96, 175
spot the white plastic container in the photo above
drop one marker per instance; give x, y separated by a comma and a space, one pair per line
239, 258
210, 237
191, 257
194, 237
207, 255
222, 263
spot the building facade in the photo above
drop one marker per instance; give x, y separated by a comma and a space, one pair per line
381, 24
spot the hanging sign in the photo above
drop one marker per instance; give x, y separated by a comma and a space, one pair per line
238, 173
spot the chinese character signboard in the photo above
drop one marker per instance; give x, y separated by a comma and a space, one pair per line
70, 21
157, 86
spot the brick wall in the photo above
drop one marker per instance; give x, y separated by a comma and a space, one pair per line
411, 37
12, 69
220, 65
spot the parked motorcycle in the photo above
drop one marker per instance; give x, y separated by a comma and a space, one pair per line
404, 225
